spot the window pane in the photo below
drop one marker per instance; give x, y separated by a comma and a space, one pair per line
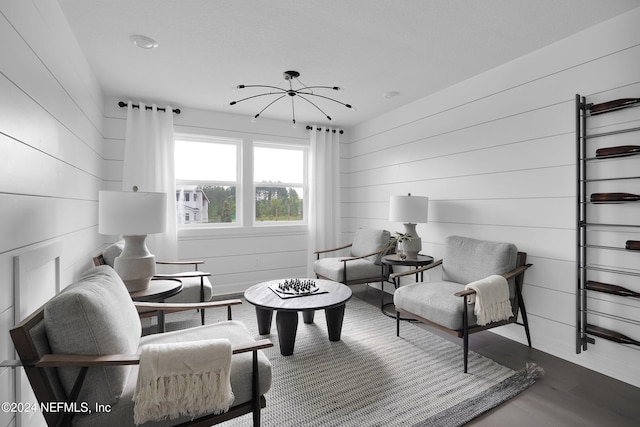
278, 165
279, 204
205, 161
206, 180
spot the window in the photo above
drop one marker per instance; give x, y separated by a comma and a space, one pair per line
224, 181
279, 181
207, 167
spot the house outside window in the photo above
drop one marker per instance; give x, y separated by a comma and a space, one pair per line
196, 210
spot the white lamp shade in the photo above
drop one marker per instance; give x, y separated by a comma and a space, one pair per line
409, 209
131, 213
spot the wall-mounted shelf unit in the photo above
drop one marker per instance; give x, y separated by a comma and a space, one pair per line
604, 273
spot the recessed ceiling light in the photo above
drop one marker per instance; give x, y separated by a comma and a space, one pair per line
143, 42
391, 94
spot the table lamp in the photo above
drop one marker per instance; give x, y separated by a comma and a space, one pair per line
133, 215
409, 210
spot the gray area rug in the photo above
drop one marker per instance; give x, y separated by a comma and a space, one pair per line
371, 377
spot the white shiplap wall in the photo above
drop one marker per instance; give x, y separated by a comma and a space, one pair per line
237, 257
496, 156
50, 151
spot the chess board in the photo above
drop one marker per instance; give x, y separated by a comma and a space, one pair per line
294, 288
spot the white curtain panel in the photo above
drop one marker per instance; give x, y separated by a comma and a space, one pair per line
149, 165
324, 192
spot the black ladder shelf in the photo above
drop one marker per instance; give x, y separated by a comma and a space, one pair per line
587, 271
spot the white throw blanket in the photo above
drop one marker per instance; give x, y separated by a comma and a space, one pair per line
178, 379
491, 299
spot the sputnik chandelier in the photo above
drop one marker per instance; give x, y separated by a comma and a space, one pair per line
303, 92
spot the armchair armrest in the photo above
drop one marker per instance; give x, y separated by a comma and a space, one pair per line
508, 275
194, 262
516, 271
182, 275
322, 251
465, 293
417, 270
366, 255
173, 307
59, 360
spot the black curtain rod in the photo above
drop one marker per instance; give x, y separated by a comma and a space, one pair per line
147, 107
327, 129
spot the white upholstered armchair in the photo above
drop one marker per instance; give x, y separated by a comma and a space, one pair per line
84, 346
446, 303
362, 265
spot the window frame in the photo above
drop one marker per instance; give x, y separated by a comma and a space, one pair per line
245, 184
304, 184
238, 143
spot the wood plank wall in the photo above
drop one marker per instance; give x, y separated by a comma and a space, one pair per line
237, 257
50, 151
496, 156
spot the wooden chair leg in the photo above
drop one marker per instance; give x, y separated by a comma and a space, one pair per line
523, 311
255, 390
202, 299
465, 333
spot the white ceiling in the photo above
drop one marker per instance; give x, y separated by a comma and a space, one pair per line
369, 47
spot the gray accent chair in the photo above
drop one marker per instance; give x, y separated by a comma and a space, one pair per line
196, 286
83, 345
362, 265
443, 303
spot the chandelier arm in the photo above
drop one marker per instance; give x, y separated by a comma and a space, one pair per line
326, 97
265, 86
293, 111
269, 105
319, 109
254, 96
336, 88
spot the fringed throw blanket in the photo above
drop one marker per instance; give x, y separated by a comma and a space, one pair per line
491, 299
183, 379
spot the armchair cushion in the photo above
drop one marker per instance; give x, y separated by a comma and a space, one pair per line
333, 269
94, 316
467, 260
367, 241
241, 367
436, 302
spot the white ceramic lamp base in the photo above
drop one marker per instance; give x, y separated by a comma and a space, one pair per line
414, 246
135, 265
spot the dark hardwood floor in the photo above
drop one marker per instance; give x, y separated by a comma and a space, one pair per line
567, 395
